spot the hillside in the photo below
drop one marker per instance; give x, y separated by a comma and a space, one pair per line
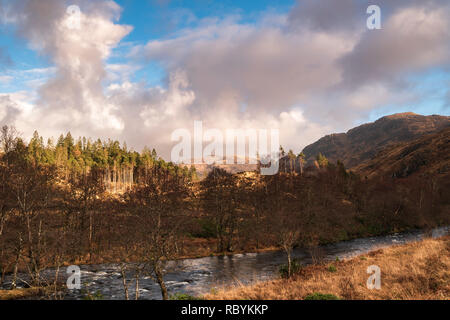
429, 154
364, 142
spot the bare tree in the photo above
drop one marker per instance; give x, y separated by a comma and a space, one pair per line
8, 139
157, 205
220, 202
18, 255
283, 213
85, 188
30, 184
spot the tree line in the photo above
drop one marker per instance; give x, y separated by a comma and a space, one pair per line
117, 161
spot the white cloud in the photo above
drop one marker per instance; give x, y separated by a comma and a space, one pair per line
73, 97
5, 79
306, 76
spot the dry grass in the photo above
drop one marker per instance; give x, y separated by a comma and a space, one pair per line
20, 293
419, 270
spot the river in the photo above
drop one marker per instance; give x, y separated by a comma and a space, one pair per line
201, 275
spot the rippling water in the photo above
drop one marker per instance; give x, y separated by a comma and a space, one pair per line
200, 276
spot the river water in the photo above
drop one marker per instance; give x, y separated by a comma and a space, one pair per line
202, 275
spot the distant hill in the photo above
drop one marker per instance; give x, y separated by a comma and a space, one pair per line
230, 165
359, 145
429, 154
203, 169
364, 142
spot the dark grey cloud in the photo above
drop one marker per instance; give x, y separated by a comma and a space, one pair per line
36, 21
328, 15
346, 15
412, 39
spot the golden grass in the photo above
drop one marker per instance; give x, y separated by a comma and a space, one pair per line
20, 293
419, 270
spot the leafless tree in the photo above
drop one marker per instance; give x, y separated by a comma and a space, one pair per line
84, 191
220, 202
158, 206
8, 139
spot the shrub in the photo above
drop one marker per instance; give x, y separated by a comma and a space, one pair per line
207, 229
321, 296
183, 296
332, 268
283, 270
92, 296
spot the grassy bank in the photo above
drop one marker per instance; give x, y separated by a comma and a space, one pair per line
419, 270
17, 294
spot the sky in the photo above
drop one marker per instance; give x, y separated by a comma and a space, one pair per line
136, 71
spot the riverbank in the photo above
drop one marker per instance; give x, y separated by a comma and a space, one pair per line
22, 293
196, 248
419, 270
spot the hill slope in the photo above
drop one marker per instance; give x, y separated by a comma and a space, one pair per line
428, 154
364, 142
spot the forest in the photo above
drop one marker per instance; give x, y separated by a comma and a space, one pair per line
83, 202
117, 162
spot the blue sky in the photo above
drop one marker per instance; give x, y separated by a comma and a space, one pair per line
151, 20
286, 64
432, 87
160, 19
155, 19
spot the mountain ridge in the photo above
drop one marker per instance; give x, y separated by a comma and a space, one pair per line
362, 143
429, 154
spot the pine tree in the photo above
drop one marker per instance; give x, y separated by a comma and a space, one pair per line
301, 160
291, 157
322, 160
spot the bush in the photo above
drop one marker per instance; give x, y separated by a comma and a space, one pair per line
332, 268
321, 296
92, 296
183, 296
207, 229
283, 270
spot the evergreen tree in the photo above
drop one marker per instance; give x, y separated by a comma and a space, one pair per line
322, 160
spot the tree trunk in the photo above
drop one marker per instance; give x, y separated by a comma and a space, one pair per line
289, 263
90, 235
124, 282
34, 273
16, 263
55, 283
160, 280
137, 287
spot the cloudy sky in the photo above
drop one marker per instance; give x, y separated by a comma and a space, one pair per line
137, 70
